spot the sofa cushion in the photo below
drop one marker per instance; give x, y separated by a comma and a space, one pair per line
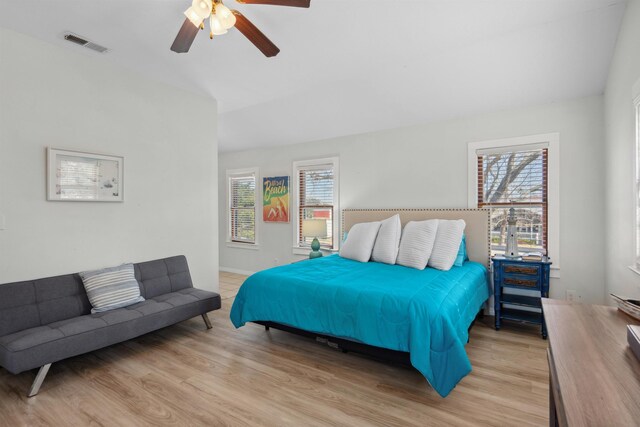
77, 325
163, 276
30, 338
60, 298
120, 315
18, 310
149, 307
175, 299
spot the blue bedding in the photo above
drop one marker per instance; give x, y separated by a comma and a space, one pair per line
426, 313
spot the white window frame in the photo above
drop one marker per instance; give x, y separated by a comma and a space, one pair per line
552, 142
295, 216
231, 173
636, 185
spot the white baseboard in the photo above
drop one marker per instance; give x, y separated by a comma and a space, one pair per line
236, 271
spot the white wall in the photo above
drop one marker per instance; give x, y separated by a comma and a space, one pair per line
57, 97
620, 156
433, 158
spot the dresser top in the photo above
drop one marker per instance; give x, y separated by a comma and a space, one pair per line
598, 375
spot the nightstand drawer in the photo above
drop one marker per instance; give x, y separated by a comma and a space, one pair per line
521, 281
520, 269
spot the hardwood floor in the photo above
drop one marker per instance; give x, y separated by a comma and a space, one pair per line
187, 375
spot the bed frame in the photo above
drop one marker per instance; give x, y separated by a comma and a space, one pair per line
477, 231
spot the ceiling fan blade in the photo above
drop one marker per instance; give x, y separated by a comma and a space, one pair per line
292, 3
185, 37
254, 35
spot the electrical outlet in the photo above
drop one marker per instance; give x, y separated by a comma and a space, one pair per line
572, 295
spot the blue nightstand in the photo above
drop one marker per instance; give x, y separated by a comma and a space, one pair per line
519, 274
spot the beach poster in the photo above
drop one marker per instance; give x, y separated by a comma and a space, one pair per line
275, 199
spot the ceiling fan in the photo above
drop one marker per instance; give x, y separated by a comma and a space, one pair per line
221, 18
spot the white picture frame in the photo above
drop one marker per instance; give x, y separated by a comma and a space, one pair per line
76, 176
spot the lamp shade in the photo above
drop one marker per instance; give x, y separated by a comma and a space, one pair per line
226, 17
202, 8
314, 228
216, 26
195, 19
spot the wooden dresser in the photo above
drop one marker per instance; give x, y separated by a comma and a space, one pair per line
594, 377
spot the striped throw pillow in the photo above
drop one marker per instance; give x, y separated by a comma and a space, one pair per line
111, 288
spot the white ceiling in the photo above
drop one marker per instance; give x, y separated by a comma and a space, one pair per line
351, 66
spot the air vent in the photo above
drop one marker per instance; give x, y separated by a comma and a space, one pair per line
74, 38
96, 47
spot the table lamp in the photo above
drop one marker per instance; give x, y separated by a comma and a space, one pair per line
314, 228
512, 236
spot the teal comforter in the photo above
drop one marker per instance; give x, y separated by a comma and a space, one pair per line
426, 313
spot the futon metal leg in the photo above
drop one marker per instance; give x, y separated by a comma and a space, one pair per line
207, 322
42, 373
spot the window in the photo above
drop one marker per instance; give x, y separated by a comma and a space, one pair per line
316, 184
522, 173
242, 206
515, 178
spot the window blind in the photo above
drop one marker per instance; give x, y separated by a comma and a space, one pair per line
316, 199
242, 196
518, 179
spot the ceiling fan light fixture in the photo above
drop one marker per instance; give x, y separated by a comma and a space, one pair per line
192, 16
202, 8
217, 28
227, 19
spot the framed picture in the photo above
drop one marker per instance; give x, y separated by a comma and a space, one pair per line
74, 176
275, 199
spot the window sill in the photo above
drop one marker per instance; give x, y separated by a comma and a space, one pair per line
634, 269
297, 250
250, 246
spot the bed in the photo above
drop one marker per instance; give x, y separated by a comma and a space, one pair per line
423, 315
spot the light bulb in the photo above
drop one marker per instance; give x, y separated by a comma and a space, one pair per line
226, 17
192, 16
216, 26
202, 8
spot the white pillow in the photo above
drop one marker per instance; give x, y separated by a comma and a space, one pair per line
386, 248
416, 243
448, 239
360, 243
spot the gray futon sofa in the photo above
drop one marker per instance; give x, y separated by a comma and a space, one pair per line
46, 320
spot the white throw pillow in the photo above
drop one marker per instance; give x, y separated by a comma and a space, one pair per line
359, 245
448, 239
386, 248
417, 243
